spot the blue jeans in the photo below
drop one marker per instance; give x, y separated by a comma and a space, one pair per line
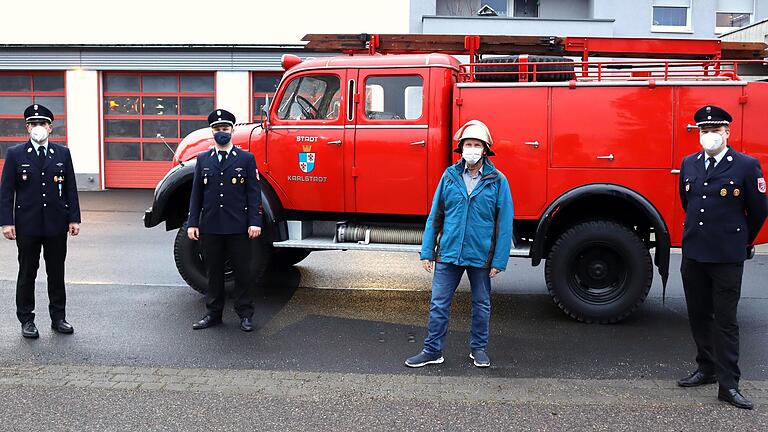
444, 283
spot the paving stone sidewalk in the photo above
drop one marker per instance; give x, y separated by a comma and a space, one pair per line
416, 386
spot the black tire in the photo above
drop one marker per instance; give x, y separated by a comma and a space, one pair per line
508, 73
599, 272
191, 266
286, 257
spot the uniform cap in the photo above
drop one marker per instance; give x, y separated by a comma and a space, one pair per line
38, 112
711, 115
221, 116
477, 130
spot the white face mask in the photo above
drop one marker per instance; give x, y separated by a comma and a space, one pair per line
38, 134
472, 155
711, 141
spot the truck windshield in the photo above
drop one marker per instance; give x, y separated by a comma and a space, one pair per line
311, 97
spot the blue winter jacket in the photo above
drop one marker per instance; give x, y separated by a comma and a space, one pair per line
473, 230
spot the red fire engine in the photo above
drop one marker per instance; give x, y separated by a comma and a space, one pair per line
353, 147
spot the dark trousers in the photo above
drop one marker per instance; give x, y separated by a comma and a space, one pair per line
55, 253
217, 249
712, 292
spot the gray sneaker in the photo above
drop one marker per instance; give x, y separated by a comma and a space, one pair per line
480, 358
423, 359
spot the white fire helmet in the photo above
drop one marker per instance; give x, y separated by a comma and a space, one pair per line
477, 130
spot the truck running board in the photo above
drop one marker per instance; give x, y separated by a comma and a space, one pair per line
325, 243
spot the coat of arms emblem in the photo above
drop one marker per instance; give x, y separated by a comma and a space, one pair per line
307, 159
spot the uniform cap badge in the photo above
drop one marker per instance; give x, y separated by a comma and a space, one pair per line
205, 180
736, 192
242, 180
24, 177
687, 187
709, 109
723, 192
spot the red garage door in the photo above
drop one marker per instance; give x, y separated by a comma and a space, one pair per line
19, 90
145, 117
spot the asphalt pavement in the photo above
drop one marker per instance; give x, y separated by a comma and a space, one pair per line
345, 314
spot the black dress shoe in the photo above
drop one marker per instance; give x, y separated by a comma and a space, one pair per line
696, 379
62, 326
735, 398
207, 321
29, 330
246, 324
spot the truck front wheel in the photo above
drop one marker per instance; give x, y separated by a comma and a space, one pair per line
190, 262
598, 272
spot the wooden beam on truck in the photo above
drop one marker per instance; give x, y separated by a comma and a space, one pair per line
539, 45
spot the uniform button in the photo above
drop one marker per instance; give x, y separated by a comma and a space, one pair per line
706, 184
704, 197
738, 229
45, 205
221, 173
221, 195
43, 173
701, 223
221, 184
43, 184
702, 210
43, 194
221, 205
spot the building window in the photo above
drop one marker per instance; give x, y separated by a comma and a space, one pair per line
18, 90
732, 14
264, 86
470, 8
671, 16
146, 113
526, 8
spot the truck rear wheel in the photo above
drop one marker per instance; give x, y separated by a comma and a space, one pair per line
190, 263
598, 272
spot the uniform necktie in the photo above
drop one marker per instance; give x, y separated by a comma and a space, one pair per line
41, 153
711, 166
223, 155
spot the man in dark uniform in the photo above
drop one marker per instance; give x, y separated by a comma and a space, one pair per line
38, 207
723, 195
225, 215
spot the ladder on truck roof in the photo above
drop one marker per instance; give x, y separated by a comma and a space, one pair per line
678, 59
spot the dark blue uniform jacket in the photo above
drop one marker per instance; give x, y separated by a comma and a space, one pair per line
40, 200
225, 199
723, 211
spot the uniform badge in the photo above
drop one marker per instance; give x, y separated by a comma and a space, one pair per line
24, 177
761, 185
687, 187
205, 180
242, 180
736, 192
234, 180
723, 192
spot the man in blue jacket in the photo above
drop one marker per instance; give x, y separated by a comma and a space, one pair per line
469, 229
225, 215
38, 208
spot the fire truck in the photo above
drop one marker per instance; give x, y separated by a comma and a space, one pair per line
590, 133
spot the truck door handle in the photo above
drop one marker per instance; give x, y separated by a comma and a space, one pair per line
609, 157
534, 144
336, 143
419, 143
675, 171
690, 126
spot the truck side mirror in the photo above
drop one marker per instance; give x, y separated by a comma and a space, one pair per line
265, 110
